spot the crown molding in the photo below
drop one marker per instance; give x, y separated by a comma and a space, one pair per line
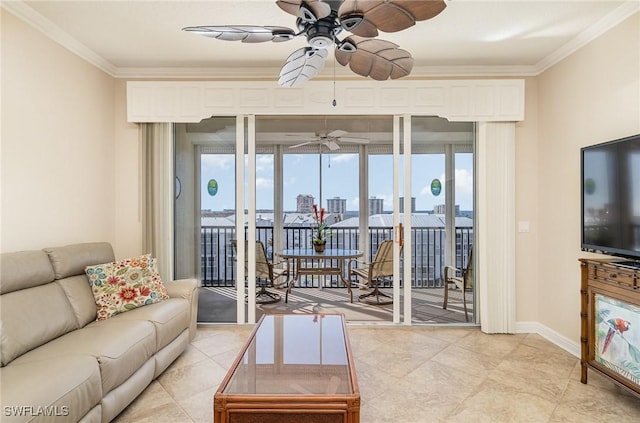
49, 29
198, 73
594, 31
54, 32
271, 73
471, 71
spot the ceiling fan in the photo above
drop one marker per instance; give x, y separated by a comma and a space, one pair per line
322, 21
330, 139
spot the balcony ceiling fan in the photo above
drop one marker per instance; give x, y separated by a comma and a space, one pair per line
323, 21
330, 139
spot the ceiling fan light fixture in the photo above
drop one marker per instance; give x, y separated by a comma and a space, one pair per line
321, 34
319, 41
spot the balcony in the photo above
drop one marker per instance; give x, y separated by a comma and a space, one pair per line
428, 252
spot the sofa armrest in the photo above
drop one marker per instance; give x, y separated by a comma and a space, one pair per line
189, 289
182, 288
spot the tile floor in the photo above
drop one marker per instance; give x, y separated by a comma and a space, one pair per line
412, 375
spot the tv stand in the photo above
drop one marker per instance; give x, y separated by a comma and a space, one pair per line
610, 318
632, 264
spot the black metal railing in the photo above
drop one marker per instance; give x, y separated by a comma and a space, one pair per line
218, 264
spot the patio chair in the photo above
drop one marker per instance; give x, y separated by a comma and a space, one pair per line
460, 280
373, 274
265, 271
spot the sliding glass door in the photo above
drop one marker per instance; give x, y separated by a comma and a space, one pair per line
403, 178
441, 211
205, 209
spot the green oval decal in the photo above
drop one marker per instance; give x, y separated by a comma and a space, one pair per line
589, 186
436, 187
212, 187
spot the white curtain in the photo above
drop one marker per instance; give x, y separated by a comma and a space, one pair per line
495, 276
158, 186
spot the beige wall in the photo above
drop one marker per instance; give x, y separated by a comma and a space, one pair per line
527, 182
128, 229
57, 144
590, 97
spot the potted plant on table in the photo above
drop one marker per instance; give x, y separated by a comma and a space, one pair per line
322, 231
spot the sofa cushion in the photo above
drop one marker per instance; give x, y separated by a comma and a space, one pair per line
120, 347
65, 387
125, 285
71, 260
24, 269
169, 317
32, 317
78, 291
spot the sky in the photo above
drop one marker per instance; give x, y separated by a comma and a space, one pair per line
340, 179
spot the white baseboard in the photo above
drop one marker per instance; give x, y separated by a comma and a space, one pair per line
563, 342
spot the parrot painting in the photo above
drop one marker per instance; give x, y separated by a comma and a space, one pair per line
615, 325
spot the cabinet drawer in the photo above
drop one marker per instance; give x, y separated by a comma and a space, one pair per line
612, 274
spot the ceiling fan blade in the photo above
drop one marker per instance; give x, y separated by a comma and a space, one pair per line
377, 59
365, 29
337, 133
307, 10
421, 10
299, 138
292, 6
302, 65
244, 33
331, 145
390, 15
301, 144
354, 140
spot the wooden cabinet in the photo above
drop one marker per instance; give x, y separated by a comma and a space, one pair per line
610, 321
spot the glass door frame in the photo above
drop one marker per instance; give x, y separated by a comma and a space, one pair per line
402, 221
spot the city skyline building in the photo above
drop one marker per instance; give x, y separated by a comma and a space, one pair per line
413, 204
376, 205
441, 209
304, 203
337, 205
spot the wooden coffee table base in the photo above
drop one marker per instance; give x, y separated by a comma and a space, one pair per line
301, 409
294, 368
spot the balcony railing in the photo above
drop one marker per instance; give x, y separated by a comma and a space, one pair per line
218, 264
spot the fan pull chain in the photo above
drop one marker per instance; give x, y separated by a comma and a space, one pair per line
334, 102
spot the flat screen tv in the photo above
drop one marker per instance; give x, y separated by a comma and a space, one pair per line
611, 198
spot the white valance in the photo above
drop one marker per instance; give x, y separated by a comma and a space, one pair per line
476, 100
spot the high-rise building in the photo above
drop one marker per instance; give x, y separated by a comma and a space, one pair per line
413, 204
376, 206
304, 203
440, 209
337, 205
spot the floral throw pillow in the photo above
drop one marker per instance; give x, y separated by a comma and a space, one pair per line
124, 285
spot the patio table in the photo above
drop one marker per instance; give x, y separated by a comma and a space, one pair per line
323, 267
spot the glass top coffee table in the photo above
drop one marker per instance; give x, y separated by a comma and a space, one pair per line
293, 368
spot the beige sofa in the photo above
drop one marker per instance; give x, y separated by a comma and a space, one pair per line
59, 363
